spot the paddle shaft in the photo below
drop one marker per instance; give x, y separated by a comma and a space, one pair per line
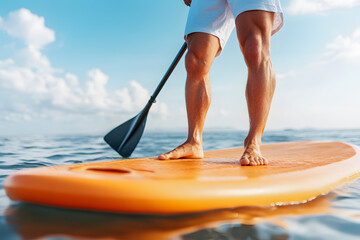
125, 137
140, 119
167, 75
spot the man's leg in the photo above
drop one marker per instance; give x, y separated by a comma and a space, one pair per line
202, 50
254, 32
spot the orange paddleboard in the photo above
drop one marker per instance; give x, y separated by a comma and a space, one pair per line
298, 172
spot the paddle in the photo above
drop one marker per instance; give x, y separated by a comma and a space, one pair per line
125, 137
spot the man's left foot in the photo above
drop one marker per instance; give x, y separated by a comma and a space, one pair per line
252, 155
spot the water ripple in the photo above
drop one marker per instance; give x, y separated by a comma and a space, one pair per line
38, 151
24, 165
6, 154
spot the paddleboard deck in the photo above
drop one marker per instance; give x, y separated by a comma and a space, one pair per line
297, 172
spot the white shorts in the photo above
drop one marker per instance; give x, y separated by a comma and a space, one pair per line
216, 17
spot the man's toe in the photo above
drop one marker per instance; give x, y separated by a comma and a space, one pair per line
163, 156
244, 161
253, 162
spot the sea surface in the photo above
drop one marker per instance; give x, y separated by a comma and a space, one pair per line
335, 215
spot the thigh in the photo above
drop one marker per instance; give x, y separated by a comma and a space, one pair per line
262, 13
254, 23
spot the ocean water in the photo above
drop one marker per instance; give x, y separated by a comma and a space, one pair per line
335, 215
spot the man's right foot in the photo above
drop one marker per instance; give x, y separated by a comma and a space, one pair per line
185, 150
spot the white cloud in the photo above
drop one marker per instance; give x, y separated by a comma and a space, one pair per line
285, 75
133, 97
161, 110
6, 62
323, 94
36, 90
319, 6
29, 27
67, 95
224, 112
96, 93
344, 47
32, 58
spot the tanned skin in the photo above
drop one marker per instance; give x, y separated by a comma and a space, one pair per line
254, 33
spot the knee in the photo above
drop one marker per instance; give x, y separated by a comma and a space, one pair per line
196, 64
256, 50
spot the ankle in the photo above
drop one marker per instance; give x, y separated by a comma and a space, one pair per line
194, 139
252, 140
194, 142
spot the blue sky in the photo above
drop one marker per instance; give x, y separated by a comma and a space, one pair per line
86, 66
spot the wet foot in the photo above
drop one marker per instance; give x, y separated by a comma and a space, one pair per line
185, 150
252, 155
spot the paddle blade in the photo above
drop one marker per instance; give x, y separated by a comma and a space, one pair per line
116, 136
130, 142
124, 138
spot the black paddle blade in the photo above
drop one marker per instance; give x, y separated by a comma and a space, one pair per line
116, 136
130, 143
124, 138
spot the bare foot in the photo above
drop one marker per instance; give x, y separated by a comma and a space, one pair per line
185, 150
252, 155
